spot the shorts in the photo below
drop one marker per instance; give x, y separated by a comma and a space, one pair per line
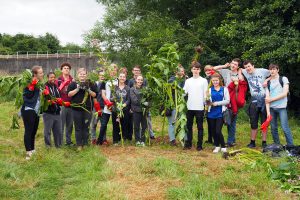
254, 113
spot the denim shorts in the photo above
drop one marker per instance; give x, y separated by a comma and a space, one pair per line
254, 113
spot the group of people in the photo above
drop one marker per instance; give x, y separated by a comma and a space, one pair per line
114, 95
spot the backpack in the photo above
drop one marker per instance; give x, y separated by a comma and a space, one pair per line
281, 83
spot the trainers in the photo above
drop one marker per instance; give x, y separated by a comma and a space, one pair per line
173, 143
187, 147
152, 137
105, 142
223, 150
251, 145
216, 150
33, 151
79, 148
230, 144
142, 144
94, 142
137, 144
28, 155
199, 148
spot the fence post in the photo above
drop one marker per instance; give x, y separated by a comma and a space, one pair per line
68, 53
79, 53
47, 55
17, 55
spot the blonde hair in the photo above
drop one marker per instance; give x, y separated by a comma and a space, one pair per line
81, 70
208, 67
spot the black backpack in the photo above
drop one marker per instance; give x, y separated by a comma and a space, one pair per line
281, 83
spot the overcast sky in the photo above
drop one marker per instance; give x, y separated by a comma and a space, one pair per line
67, 19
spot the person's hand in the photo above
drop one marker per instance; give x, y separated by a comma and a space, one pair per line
265, 84
227, 65
214, 104
268, 100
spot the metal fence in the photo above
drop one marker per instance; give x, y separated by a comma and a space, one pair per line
46, 55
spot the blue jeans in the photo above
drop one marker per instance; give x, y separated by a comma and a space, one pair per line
171, 128
231, 130
282, 113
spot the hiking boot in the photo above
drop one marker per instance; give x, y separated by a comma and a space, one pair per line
264, 144
230, 144
187, 147
216, 150
251, 145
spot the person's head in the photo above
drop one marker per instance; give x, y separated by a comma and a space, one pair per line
139, 81
274, 69
51, 77
216, 80
101, 75
65, 68
207, 69
235, 63
122, 78
37, 72
123, 70
113, 70
249, 66
136, 70
195, 68
180, 71
81, 74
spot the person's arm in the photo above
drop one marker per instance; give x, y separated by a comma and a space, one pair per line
225, 101
240, 74
221, 66
205, 87
127, 102
93, 91
280, 96
267, 102
73, 89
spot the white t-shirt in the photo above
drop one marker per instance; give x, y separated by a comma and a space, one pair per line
195, 88
108, 93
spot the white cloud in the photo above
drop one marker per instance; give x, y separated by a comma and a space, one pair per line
67, 19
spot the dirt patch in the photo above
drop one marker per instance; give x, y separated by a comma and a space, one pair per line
144, 184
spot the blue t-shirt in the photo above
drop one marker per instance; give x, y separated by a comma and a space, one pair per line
216, 111
275, 90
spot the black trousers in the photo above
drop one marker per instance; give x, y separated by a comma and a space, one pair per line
82, 120
209, 131
139, 120
103, 128
198, 114
124, 126
130, 126
31, 123
216, 129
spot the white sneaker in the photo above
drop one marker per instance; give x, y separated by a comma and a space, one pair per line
216, 150
223, 150
33, 151
137, 144
142, 144
28, 155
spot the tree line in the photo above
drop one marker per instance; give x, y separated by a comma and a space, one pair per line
10, 44
262, 31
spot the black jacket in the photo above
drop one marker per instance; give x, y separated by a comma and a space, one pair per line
53, 91
135, 99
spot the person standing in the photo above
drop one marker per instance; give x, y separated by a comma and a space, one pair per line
180, 79
276, 96
82, 93
237, 88
219, 98
122, 92
30, 110
139, 117
195, 87
257, 106
51, 116
66, 112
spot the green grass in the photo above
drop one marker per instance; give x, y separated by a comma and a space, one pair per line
156, 172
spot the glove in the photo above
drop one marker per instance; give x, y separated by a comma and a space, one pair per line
66, 104
59, 101
146, 103
33, 84
265, 125
97, 106
46, 92
108, 103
